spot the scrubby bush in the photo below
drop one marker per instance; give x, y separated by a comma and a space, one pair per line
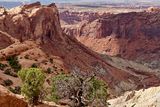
81, 91
14, 63
33, 80
7, 82
49, 70
2, 66
154, 64
9, 72
26, 56
51, 60
96, 91
34, 65
16, 90
11, 89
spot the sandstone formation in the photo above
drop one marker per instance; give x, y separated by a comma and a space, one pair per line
36, 38
7, 99
133, 35
142, 98
72, 22
75, 17
153, 9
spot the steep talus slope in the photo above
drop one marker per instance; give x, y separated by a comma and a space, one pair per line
39, 39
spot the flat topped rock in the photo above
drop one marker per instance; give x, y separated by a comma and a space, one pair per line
28, 6
52, 5
2, 10
153, 9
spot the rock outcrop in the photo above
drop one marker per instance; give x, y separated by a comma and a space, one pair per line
132, 35
76, 17
7, 99
72, 22
142, 98
153, 9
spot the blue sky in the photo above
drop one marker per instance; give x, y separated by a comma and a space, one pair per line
71, 1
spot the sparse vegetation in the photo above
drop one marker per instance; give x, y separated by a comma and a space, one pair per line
9, 72
34, 65
33, 80
16, 90
2, 66
14, 63
7, 82
49, 70
81, 91
26, 56
51, 60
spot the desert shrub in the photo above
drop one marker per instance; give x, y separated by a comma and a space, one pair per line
154, 64
16, 90
11, 89
96, 91
49, 70
58, 81
2, 66
7, 82
34, 65
81, 91
33, 80
51, 60
9, 72
14, 63
26, 56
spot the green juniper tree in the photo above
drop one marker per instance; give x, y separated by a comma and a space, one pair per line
33, 80
79, 90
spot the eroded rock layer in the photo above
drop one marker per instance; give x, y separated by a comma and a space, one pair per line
133, 35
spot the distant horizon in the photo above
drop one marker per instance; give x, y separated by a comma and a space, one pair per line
90, 1
14, 3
